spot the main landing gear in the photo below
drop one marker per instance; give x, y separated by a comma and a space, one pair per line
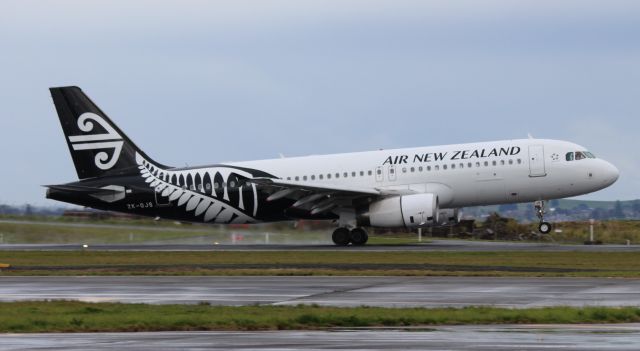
544, 227
356, 236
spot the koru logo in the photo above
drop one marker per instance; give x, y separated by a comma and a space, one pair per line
109, 140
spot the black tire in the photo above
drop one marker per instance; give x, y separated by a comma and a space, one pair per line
359, 236
341, 236
544, 227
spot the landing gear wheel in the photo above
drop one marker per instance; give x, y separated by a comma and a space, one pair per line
341, 236
544, 227
359, 236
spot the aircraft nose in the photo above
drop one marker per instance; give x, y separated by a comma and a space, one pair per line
610, 172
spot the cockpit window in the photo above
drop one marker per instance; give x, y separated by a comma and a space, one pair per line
578, 155
569, 156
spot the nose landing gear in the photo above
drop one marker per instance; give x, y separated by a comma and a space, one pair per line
544, 227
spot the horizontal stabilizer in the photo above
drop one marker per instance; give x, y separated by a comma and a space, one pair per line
110, 193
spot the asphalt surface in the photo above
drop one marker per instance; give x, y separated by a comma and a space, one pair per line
433, 245
330, 291
506, 337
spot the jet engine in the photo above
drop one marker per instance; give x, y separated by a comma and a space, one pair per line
449, 216
411, 211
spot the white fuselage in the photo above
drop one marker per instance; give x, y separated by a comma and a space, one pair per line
507, 171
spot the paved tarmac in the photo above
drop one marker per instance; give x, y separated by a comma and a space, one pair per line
330, 291
433, 245
491, 337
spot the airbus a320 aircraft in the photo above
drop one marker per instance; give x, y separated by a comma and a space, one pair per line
410, 188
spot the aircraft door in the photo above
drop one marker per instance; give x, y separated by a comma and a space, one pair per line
536, 161
392, 173
161, 200
379, 175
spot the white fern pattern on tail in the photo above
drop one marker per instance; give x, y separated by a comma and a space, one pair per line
218, 194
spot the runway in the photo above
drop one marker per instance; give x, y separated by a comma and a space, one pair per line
432, 245
504, 337
329, 291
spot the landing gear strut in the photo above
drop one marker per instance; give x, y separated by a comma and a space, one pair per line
544, 227
356, 236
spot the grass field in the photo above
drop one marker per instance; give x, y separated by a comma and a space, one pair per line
69, 316
504, 263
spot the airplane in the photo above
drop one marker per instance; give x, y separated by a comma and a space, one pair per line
398, 188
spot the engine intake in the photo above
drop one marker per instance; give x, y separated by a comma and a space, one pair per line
410, 211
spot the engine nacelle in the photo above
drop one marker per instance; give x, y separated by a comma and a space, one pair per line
449, 216
411, 211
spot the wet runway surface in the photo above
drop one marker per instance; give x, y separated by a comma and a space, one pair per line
333, 291
507, 337
433, 245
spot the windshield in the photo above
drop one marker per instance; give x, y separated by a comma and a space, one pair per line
578, 155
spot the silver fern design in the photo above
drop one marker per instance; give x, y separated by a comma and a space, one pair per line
218, 194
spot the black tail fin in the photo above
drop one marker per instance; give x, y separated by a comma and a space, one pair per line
98, 147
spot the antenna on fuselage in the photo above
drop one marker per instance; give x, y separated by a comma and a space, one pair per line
529, 135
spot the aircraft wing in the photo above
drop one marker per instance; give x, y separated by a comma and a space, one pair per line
317, 198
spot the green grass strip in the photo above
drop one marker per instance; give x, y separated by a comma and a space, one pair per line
503, 263
71, 316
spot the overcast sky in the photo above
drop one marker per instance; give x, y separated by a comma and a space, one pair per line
199, 82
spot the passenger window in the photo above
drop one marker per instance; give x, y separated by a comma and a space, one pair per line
444, 166
404, 169
428, 168
313, 177
486, 163
453, 166
477, 164
345, 174
462, 165
328, 175
320, 176
437, 168
297, 178
494, 163
420, 168
413, 169
510, 162
304, 177
379, 171
337, 175
361, 173
569, 156
369, 172
469, 164
392, 170
353, 174
519, 161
